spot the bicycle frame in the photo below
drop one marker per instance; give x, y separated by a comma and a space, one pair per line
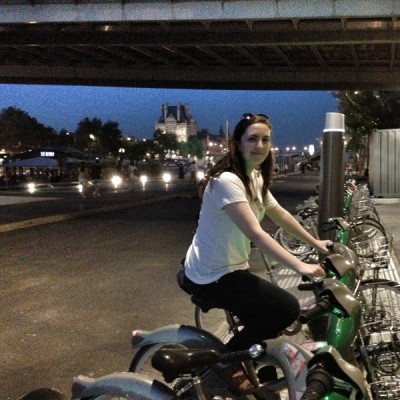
339, 326
288, 355
347, 381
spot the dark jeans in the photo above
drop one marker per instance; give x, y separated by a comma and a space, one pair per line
264, 308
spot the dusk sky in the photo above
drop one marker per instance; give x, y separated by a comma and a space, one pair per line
298, 117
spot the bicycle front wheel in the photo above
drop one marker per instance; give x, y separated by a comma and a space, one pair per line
380, 301
292, 244
370, 242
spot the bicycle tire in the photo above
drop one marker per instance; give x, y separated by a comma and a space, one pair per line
371, 213
107, 397
141, 362
292, 244
369, 240
221, 323
366, 221
371, 225
380, 302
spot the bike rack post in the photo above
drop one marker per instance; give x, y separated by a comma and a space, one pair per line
331, 185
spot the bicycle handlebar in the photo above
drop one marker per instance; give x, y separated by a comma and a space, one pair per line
313, 284
322, 306
253, 352
330, 245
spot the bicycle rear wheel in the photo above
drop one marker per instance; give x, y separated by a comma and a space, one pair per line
221, 323
141, 361
107, 397
211, 383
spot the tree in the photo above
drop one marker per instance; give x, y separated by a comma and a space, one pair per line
366, 111
110, 138
137, 150
66, 138
195, 146
87, 135
21, 132
192, 147
164, 142
97, 139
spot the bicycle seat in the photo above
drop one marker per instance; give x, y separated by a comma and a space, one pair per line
173, 361
202, 303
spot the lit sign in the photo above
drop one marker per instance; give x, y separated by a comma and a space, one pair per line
47, 154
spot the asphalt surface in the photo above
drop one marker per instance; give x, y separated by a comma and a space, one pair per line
19, 209
73, 290
52, 203
77, 274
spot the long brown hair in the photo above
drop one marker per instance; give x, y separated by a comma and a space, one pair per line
233, 161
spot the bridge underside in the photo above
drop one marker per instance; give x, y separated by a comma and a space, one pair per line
327, 45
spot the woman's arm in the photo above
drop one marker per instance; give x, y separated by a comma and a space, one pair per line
286, 221
243, 217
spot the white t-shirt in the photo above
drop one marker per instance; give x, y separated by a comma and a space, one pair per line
219, 246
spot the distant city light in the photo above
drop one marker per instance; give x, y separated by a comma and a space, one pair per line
166, 177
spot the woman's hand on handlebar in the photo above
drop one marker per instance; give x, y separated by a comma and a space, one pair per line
323, 246
311, 270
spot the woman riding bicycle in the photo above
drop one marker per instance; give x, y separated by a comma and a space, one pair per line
235, 200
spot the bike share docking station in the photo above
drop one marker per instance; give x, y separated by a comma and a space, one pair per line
331, 185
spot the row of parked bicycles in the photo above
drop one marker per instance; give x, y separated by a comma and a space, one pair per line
345, 344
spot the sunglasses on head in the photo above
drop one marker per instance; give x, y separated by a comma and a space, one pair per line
252, 115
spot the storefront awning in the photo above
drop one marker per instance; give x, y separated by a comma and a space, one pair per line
36, 162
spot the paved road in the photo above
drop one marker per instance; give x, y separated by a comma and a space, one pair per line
73, 290
49, 201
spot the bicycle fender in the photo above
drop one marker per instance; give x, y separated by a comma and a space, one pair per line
292, 358
122, 384
343, 268
188, 336
343, 296
338, 367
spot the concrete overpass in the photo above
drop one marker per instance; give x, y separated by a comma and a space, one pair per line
280, 44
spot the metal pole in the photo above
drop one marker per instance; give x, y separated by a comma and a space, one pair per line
331, 185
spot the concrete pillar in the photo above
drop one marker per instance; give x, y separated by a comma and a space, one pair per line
331, 185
